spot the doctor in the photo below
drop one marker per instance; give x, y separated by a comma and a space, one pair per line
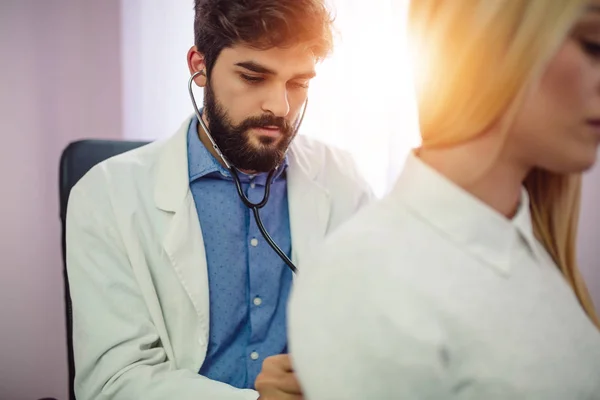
176, 295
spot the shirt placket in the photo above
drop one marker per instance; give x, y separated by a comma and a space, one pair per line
257, 251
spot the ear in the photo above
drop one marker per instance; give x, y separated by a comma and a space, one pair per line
196, 63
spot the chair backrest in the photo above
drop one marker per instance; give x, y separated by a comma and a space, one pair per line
76, 160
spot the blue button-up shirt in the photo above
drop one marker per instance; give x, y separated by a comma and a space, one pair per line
249, 284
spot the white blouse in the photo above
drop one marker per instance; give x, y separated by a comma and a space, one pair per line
431, 294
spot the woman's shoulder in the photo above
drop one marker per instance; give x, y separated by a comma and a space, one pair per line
385, 238
373, 270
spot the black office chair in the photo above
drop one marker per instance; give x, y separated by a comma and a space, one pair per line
76, 160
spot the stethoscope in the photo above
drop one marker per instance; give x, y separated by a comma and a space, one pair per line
255, 207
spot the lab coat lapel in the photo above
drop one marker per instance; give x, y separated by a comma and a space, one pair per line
183, 242
309, 206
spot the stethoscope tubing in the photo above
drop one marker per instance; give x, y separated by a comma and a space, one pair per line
255, 207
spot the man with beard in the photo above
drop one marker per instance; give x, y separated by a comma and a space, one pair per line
176, 295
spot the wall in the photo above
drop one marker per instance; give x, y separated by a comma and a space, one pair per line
156, 36
60, 81
589, 232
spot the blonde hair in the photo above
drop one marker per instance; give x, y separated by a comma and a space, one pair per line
476, 60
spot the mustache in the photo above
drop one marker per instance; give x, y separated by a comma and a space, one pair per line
265, 120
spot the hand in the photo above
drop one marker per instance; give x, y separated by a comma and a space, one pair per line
277, 381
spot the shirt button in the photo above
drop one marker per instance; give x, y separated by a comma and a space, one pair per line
254, 242
253, 185
257, 301
254, 355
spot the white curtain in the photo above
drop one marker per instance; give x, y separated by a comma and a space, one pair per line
361, 101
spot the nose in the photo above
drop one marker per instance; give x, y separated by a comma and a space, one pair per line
277, 102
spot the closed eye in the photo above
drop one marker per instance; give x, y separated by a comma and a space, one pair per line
300, 85
591, 48
252, 79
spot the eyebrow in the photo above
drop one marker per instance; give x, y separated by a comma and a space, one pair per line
261, 69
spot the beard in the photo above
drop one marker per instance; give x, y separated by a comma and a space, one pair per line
234, 141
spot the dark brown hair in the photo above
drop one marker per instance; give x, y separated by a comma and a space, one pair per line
261, 24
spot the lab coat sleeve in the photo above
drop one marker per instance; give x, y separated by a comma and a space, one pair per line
118, 354
355, 335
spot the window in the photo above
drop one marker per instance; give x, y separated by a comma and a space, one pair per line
362, 100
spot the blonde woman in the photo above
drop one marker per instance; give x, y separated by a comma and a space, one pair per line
462, 283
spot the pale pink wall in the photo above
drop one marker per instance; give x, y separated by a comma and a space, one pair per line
59, 81
589, 232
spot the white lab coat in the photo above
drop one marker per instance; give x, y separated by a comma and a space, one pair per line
137, 266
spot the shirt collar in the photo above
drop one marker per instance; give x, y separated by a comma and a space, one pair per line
203, 163
463, 218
